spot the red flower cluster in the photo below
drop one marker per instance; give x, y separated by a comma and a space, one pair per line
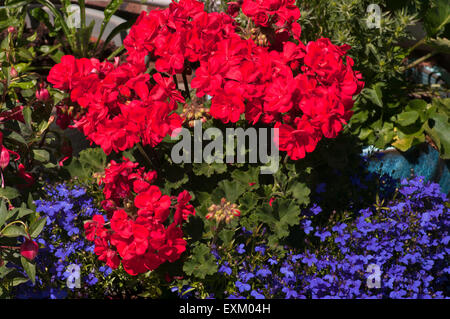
282, 13
304, 90
138, 236
121, 104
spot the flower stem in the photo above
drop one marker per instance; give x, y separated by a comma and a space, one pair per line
186, 85
142, 151
418, 61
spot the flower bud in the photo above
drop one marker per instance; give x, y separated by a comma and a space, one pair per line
29, 249
29, 179
109, 206
13, 72
226, 211
42, 95
11, 29
4, 157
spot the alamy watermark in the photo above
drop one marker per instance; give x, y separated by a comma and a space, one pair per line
74, 279
374, 18
73, 16
261, 147
374, 279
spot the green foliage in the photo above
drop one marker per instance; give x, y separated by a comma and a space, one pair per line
201, 262
376, 51
437, 17
384, 112
88, 162
16, 223
76, 40
33, 148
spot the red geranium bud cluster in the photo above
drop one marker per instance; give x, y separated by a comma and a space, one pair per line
140, 235
304, 90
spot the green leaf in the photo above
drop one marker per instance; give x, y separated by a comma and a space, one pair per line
13, 231
93, 159
440, 133
441, 106
407, 118
246, 177
76, 170
365, 133
420, 106
3, 213
248, 201
30, 202
43, 125
25, 54
56, 57
5, 271
16, 138
300, 192
9, 193
42, 16
266, 215
19, 280
110, 9
375, 94
17, 3
289, 216
29, 268
440, 44
227, 235
23, 211
385, 135
201, 263
209, 169
360, 117
41, 155
37, 226
283, 214
436, 17
23, 85
231, 190
27, 115
32, 37
405, 143
85, 34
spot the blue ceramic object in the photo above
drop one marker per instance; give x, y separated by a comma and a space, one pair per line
422, 160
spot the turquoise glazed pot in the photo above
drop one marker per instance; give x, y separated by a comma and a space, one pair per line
422, 160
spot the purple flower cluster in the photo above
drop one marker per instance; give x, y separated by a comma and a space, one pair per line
62, 243
396, 250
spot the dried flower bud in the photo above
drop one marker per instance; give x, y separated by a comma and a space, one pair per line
223, 212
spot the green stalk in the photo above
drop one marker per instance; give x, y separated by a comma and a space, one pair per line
58, 16
116, 52
418, 61
142, 151
82, 13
